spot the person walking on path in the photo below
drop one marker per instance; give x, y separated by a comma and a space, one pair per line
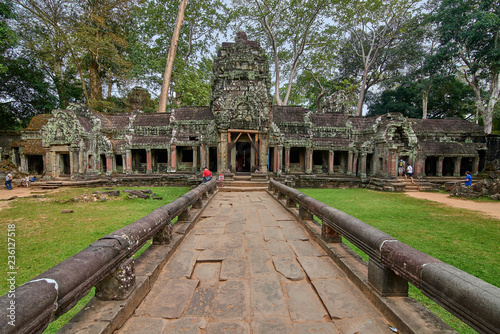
468, 179
207, 175
409, 172
8, 181
401, 167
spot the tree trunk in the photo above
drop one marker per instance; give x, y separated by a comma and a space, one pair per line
425, 100
359, 110
95, 82
171, 57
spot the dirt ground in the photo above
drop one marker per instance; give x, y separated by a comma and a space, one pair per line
489, 208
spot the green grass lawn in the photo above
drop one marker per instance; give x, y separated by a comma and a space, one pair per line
464, 239
46, 237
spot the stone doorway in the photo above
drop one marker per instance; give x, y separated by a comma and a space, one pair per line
64, 164
243, 157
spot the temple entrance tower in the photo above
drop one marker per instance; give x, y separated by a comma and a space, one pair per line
241, 104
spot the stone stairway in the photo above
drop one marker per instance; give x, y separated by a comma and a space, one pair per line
243, 183
417, 185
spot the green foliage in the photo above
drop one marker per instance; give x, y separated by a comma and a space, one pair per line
24, 91
191, 84
448, 97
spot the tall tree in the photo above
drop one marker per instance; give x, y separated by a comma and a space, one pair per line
470, 36
171, 56
290, 28
204, 21
24, 92
372, 28
46, 35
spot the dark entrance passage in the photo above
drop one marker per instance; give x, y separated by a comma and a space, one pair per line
430, 166
35, 164
212, 158
243, 157
64, 165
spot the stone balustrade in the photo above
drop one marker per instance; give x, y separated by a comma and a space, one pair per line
106, 264
392, 264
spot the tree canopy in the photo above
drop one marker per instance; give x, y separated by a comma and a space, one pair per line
429, 58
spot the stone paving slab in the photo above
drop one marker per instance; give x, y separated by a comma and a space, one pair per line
318, 267
304, 304
144, 325
249, 267
171, 301
267, 297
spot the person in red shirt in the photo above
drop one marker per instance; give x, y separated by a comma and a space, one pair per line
207, 175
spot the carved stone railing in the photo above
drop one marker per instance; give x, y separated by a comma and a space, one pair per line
392, 264
106, 264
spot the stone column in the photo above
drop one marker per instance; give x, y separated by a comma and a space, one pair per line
203, 157
456, 166
195, 159
128, 161
149, 167
475, 165
109, 164
24, 164
355, 164
81, 158
331, 157
279, 150
309, 155
392, 162
263, 156
287, 159
222, 164
363, 165
439, 167
349, 163
173, 158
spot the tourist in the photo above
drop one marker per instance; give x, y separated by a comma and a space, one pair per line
27, 180
468, 179
207, 175
409, 172
401, 167
8, 181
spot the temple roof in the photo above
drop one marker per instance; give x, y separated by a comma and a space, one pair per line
153, 120
444, 125
448, 149
328, 120
283, 114
38, 121
193, 114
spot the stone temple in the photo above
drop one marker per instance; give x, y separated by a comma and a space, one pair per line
241, 131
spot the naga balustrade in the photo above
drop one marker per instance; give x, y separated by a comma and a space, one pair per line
106, 264
392, 264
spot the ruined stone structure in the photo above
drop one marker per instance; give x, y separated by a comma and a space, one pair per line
242, 132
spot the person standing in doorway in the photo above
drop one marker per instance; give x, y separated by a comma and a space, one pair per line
409, 172
468, 179
8, 181
401, 167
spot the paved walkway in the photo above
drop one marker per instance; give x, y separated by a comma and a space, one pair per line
249, 267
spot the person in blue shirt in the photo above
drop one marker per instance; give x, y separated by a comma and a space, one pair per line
468, 179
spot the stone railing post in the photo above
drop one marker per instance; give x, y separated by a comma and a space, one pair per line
304, 214
119, 284
290, 203
330, 235
385, 281
164, 235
